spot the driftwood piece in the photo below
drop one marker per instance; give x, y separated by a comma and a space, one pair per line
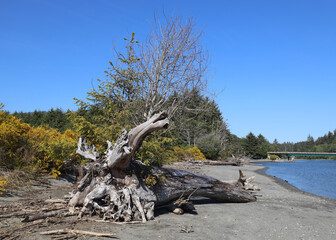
179, 182
61, 201
245, 183
8, 234
185, 229
216, 163
37, 216
74, 231
15, 214
112, 184
87, 151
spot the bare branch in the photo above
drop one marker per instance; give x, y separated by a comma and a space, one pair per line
89, 152
172, 61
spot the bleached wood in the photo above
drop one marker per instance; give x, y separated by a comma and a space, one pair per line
75, 231
112, 185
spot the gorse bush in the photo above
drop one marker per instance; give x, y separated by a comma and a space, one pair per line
189, 154
52, 148
12, 139
40, 149
274, 157
3, 183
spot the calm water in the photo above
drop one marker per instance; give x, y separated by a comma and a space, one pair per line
314, 176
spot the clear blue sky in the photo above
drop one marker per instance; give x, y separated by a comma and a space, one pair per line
275, 60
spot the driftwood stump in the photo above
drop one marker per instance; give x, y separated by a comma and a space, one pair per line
112, 185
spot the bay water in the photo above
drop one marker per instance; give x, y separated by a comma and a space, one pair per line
313, 176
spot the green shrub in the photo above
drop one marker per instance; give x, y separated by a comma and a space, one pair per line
156, 151
210, 146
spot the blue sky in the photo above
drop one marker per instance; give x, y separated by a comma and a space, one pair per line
275, 60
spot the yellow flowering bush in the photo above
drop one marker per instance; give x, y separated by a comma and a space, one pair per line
53, 148
195, 153
40, 149
12, 132
274, 157
3, 183
190, 154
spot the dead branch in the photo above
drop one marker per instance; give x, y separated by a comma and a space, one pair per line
74, 231
62, 213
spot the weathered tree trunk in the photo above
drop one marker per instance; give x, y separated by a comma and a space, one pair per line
177, 183
112, 185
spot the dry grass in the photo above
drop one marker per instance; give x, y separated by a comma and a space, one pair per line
14, 179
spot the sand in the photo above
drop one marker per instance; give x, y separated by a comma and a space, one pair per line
281, 212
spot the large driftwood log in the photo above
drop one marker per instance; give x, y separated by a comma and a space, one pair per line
112, 184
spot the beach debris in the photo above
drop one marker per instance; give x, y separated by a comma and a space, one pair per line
75, 232
246, 183
186, 229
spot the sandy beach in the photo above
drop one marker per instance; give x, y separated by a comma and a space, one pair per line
281, 212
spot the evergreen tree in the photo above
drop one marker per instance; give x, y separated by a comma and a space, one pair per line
250, 145
276, 145
113, 105
54, 118
200, 124
263, 147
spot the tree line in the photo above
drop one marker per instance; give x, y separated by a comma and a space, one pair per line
205, 130
326, 143
54, 118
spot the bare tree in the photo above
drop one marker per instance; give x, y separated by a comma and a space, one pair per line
159, 72
173, 61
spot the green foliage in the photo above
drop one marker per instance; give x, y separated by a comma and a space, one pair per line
210, 146
235, 145
250, 145
156, 151
262, 148
326, 143
54, 118
199, 116
256, 147
97, 128
200, 124
112, 105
